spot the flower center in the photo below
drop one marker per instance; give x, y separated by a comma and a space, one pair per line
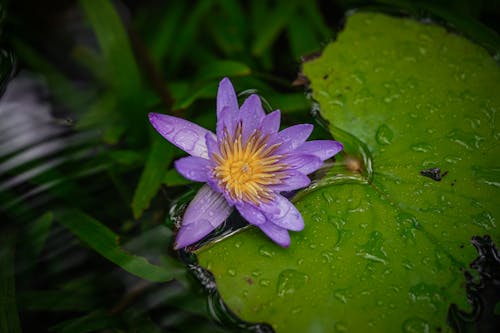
246, 170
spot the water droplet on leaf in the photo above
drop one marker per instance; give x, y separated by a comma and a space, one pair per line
289, 281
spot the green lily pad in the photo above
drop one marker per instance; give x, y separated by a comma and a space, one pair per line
387, 234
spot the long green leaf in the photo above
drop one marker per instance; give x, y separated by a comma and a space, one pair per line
34, 239
220, 68
114, 43
121, 66
104, 241
160, 156
269, 29
189, 31
165, 34
9, 319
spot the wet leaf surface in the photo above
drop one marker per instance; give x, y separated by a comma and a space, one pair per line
384, 247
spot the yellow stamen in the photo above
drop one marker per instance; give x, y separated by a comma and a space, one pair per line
245, 170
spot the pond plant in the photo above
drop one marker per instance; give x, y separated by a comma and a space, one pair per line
386, 220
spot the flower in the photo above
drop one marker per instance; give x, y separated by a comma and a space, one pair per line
246, 165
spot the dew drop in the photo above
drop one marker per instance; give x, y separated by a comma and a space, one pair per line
384, 135
167, 128
289, 281
469, 141
416, 325
186, 139
485, 220
265, 282
256, 273
328, 197
452, 159
340, 327
426, 261
408, 265
431, 130
266, 251
342, 295
421, 147
327, 256
231, 272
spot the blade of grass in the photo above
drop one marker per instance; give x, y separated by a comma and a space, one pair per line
105, 242
114, 44
159, 157
268, 28
161, 39
220, 68
188, 33
312, 15
37, 234
125, 77
302, 38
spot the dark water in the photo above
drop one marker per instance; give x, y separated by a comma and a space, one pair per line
483, 293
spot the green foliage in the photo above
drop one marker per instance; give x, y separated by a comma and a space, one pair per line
152, 176
87, 189
106, 243
403, 97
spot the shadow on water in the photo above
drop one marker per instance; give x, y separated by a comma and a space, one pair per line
482, 293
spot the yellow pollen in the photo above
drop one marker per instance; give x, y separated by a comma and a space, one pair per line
246, 170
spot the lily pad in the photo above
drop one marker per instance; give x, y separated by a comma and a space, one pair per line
388, 229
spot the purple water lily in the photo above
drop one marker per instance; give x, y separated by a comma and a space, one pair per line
245, 165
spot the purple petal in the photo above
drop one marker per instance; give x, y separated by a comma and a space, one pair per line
294, 136
279, 235
251, 214
323, 149
193, 168
251, 114
303, 163
192, 233
212, 145
182, 133
270, 124
226, 119
283, 213
206, 212
226, 97
294, 181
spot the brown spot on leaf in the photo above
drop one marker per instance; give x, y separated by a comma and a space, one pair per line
434, 174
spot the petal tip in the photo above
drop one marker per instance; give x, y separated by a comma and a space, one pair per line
226, 84
152, 116
284, 244
337, 147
